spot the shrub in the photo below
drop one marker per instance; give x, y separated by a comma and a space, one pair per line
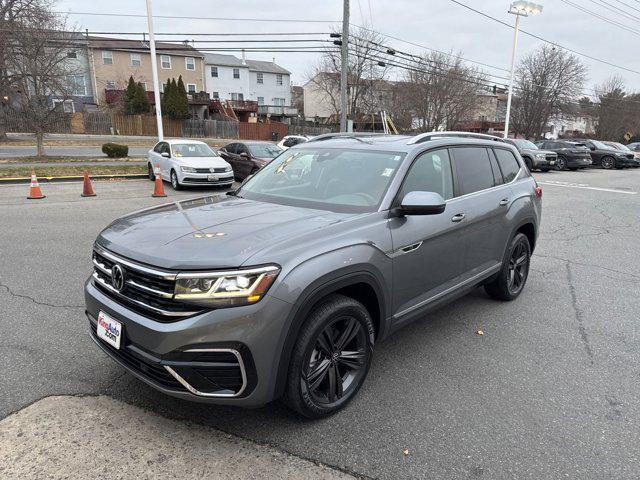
115, 150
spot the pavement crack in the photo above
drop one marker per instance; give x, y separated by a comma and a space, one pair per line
33, 300
588, 265
578, 315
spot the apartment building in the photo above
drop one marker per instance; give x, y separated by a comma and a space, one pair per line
112, 61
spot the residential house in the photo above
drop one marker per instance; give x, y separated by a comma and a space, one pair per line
114, 60
489, 113
570, 125
271, 86
318, 103
80, 94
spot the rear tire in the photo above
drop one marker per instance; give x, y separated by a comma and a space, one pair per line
330, 358
514, 272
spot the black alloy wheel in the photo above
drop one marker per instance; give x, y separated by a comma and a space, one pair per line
561, 163
607, 163
518, 267
511, 279
331, 357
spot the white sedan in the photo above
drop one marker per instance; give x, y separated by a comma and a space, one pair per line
189, 162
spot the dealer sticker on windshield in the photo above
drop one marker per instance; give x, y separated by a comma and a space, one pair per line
109, 330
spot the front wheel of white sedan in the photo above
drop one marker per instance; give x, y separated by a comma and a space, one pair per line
175, 183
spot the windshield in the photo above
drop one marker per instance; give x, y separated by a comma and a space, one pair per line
522, 143
349, 181
264, 150
600, 145
620, 146
192, 150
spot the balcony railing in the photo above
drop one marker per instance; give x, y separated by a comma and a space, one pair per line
277, 110
243, 105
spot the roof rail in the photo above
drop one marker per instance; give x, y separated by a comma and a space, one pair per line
425, 137
329, 136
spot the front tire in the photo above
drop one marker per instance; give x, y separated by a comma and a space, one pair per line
607, 163
331, 357
152, 175
175, 183
527, 162
514, 272
561, 163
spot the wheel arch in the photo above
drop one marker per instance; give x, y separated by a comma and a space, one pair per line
528, 228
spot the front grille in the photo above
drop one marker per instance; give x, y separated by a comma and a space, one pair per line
551, 157
225, 181
208, 170
146, 291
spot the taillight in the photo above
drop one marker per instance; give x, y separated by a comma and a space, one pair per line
538, 191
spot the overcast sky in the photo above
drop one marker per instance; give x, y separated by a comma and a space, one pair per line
438, 24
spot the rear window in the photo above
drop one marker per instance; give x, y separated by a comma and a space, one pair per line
473, 168
508, 164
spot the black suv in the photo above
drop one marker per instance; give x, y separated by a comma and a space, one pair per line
608, 157
572, 155
284, 287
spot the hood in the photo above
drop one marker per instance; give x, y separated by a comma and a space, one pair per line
533, 151
209, 232
201, 162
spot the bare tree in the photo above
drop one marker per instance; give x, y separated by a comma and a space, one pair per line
546, 80
441, 90
616, 111
364, 74
37, 59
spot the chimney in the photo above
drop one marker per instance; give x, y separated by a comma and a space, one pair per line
244, 61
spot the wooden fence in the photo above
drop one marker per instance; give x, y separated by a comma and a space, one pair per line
263, 131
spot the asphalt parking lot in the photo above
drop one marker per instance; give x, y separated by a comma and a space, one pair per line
551, 390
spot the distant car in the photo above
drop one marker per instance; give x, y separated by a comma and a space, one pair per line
571, 155
248, 157
635, 146
533, 157
607, 157
189, 162
290, 140
626, 149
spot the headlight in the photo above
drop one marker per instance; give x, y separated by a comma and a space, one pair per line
225, 289
228, 168
540, 156
188, 169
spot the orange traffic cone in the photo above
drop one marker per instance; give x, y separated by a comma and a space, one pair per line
159, 189
34, 189
87, 189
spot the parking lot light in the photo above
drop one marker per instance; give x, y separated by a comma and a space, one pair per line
518, 8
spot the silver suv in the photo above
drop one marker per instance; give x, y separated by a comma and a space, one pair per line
282, 289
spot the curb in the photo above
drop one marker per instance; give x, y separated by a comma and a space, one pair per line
73, 178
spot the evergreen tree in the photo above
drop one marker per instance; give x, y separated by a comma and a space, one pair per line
167, 99
135, 99
141, 101
175, 103
182, 101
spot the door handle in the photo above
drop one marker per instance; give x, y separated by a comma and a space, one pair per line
458, 218
504, 201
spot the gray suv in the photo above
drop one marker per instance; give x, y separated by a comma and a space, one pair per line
282, 289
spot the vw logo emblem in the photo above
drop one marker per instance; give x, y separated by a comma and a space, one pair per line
117, 277
212, 170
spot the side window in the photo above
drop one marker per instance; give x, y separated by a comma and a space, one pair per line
497, 174
508, 164
231, 148
157, 147
242, 148
473, 169
430, 172
165, 148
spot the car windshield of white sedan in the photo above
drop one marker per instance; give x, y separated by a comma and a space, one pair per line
265, 151
336, 180
192, 150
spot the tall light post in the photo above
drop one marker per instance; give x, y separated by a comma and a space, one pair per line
344, 66
519, 9
154, 71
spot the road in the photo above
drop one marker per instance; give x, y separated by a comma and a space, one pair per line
551, 390
17, 151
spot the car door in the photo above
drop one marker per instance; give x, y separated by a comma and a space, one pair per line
244, 160
428, 250
228, 153
484, 199
165, 163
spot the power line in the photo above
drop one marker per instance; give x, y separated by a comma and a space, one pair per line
613, 8
601, 17
185, 17
605, 62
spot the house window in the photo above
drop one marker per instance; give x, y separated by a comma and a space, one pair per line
279, 102
214, 72
78, 85
72, 54
191, 88
260, 100
260, 77
236, 73
107, 58
190, 63
135, 60
215, 95
278, 79
165, 62
144, 85
237, 96
65, 105
110, 85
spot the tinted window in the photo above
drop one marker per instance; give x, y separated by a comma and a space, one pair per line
473, 168
157, 147
508, 164
231, 148
164, 148
430, 172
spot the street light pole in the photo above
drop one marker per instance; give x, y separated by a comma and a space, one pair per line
154, 71
344, 67
519, 9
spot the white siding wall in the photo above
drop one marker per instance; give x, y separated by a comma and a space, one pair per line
225, 84
269, 89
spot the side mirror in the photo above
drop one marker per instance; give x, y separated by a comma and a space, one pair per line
422, 203
592, 147
165, 155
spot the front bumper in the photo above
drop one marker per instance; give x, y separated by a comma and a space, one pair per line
221, 179
546, 162
253, 334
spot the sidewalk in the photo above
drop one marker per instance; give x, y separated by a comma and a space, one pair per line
99, 437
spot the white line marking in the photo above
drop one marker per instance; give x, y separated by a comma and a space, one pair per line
585, 187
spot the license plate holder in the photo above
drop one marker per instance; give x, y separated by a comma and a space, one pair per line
212, 178
109, 330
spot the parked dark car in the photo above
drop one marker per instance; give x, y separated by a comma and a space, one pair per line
604, 156
284, 288
624, 148
246, 158
571, 155
635, 146
534, 158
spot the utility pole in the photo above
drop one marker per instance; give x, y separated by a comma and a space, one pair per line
344, 66
154, 69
